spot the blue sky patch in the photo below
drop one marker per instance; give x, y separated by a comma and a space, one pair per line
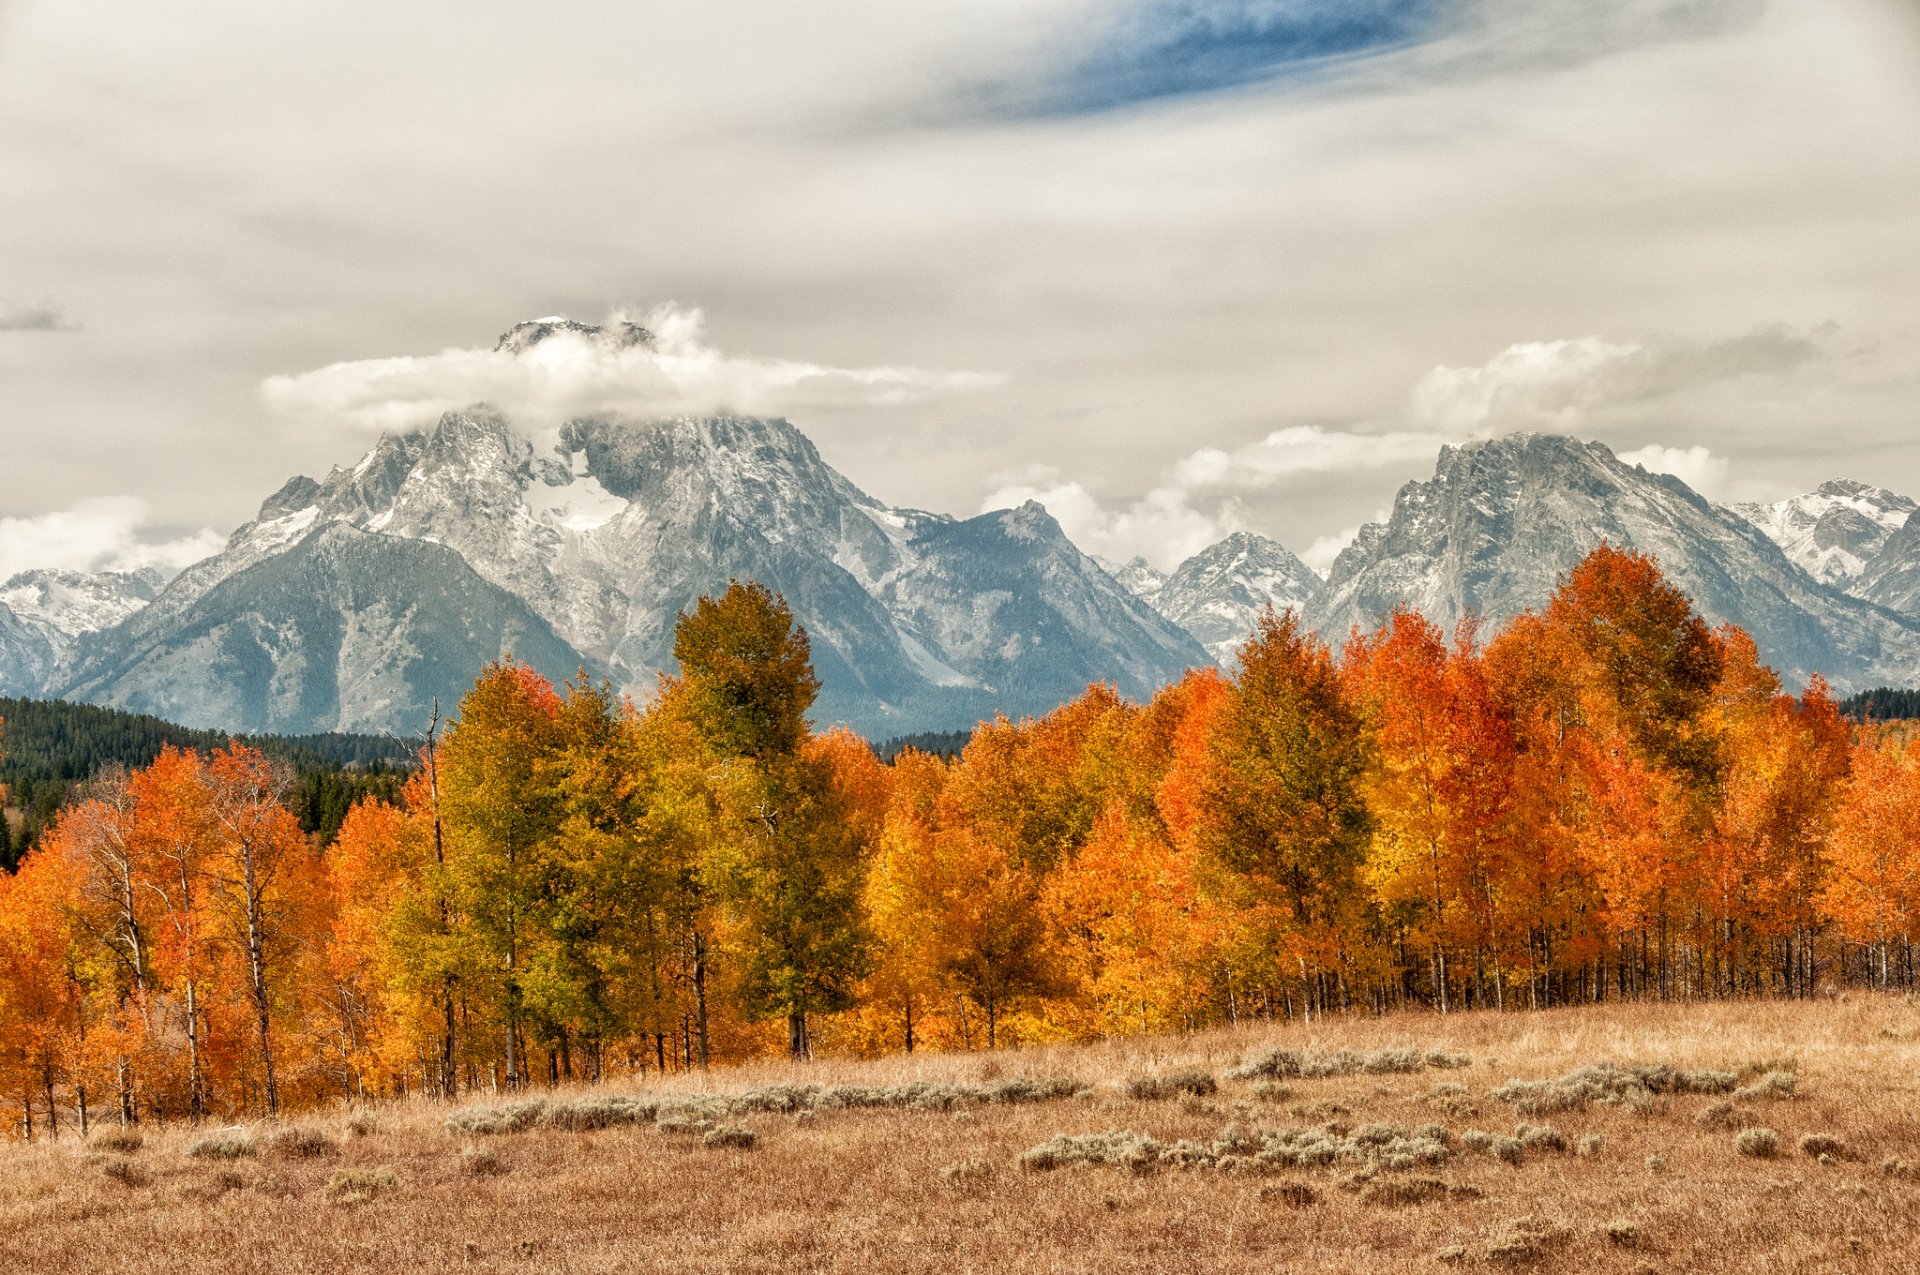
1179, 48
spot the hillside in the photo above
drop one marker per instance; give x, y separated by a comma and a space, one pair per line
47, 747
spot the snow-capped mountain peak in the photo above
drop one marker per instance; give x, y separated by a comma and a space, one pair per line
1500, 521
1138, 576
589, 552
73, 602
617, 335
1835, 530
1218, 594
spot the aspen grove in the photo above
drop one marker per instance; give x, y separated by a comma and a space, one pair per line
1607, 799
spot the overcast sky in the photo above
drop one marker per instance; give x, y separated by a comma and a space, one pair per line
1175, 267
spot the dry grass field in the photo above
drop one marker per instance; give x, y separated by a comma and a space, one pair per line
1620, 1170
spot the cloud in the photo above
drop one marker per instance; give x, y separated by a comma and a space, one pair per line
1300, 450
46, 316
1320, 554
1162, 526
1205, 495
1696, 466
574, 372
1565, 384
107, 533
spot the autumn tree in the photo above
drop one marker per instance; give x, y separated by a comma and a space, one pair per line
790, 874
1281, 808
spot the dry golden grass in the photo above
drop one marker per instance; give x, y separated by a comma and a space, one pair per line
898, 1190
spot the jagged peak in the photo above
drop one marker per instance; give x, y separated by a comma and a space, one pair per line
616, 334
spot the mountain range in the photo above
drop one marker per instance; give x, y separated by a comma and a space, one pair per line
354, 601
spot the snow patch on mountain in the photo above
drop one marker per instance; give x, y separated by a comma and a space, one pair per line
1219, 594
1835, 530
570, 497
73, 602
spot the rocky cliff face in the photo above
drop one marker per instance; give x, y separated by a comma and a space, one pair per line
1493, 530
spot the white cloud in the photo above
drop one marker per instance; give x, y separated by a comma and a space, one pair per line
1300, 450
1696, 466
1566, 384
1203, 496
571, 373
108, 533
1320, 554
1163, 526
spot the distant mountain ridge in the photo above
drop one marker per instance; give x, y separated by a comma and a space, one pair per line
1501, 520
351, 602
355, 601
1834, 531
1218, 594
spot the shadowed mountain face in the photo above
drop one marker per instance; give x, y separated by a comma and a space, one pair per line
584, 552
344, 629
1499, 522
1892, 578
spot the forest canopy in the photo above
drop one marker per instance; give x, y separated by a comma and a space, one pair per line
1605, 799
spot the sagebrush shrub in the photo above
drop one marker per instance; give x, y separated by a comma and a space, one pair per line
1589, 1145
729, 1137
1721, 1115
972, 1171
1774, 1085
1526, 1240
1760, 1143
1280, 1064
1198, 1084
480, 1162
120, 1141
511, 1117
1624, 1233
357, 1186
1295, 1195
126, 1172
1816, 1145
226, 1144
298, 1142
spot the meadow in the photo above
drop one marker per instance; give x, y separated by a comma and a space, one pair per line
1765, 1135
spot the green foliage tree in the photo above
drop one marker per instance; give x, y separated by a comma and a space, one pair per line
789, 871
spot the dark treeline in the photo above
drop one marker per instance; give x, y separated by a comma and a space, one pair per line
48, 748
944, 744
1882, 704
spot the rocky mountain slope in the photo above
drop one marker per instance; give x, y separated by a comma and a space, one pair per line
1498, 523
604, 534
1834, 531
346, 629
1219, 593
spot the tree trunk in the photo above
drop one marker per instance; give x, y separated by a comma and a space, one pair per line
257, 969
700, 995
797, 1034
196, 1082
